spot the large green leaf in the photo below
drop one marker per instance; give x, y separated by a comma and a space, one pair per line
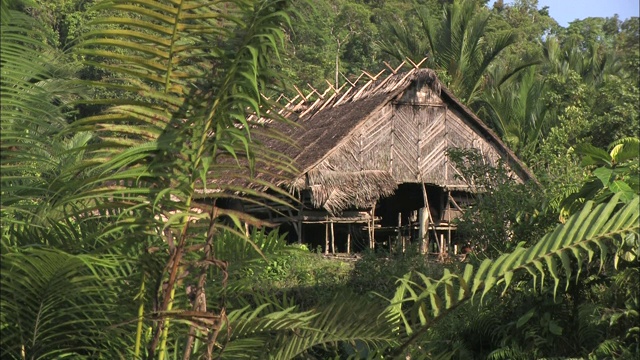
596, 228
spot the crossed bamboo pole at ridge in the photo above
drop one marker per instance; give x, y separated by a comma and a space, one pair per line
315, 98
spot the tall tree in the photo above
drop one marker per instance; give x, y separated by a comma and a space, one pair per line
518, 113
457, 44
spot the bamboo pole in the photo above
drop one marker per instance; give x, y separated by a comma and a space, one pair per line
426, 206
349, 240
326, 238
400, 236
423, 226
300, 217
369, 232
333, 240
372, 235
449, 221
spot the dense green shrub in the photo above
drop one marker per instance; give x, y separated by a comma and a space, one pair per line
379, 271
504, 212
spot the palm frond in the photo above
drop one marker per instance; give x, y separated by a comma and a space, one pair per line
55, 304
252, 331
348, 321
31, 118
597, 227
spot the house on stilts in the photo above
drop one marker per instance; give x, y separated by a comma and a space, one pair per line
373, 166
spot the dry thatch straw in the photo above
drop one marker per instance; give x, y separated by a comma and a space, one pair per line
336, 191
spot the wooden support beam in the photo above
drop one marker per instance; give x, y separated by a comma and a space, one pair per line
369, 233
429, 220
326, 238
400, 235
369, 75
393, 71
313, 90
335, 90
333, 240
295, 224
304, 98
456, 204
417, 66
449, 221
343, 97
300, 217
372, 234
373, 77
423, 220
354, 83
349, 240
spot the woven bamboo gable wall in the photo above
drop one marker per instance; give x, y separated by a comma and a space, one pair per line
408, 138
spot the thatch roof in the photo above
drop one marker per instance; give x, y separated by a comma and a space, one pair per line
325, 122
336, 191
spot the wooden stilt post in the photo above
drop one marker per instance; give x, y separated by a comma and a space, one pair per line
423, 219
333, 240
349, 240
427, 220
372, 234
369, 227
295, 224
441, 246
373, 225
300, 217
413, 219
404, 243
400, 239
326, 237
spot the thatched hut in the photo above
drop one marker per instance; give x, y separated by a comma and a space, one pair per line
372, 160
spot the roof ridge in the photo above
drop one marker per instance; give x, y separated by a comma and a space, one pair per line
348, 91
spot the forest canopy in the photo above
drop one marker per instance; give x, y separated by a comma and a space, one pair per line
117, 115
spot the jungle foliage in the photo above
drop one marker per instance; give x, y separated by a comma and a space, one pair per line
120, 116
